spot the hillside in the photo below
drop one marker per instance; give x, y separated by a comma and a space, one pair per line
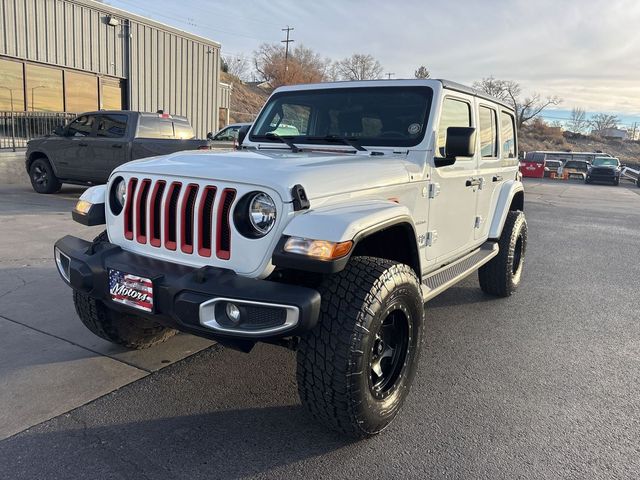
246, 101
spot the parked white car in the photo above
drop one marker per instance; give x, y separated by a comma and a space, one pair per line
328, 242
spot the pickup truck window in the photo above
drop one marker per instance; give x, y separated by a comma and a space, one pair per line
81, 126
381, 116
155, 128
112, 126
183, 131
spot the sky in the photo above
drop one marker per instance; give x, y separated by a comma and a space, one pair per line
587, 52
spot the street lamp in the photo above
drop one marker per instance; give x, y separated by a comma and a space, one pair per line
32, 90
10, 94
13, 122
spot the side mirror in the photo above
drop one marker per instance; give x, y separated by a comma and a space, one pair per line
59, 131
461, 142
242, 134
210, 136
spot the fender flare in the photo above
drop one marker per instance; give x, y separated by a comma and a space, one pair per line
508, 191
96, 215
340, 223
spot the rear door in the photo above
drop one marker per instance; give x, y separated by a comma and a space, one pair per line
71, 154
110, 145
452, 209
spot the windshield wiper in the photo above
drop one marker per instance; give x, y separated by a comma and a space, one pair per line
285, 140
351, 141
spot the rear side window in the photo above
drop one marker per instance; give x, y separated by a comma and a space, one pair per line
455, 113
81, 126
508, 136
183, 131
488, 133
155, 128
112, 126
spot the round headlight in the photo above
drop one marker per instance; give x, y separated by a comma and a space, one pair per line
262, 213
118, 195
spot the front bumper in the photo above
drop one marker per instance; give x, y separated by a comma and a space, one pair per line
603, 177
183, 295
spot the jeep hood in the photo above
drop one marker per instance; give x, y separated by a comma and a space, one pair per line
321, 174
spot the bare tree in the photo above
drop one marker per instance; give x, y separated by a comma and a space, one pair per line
358, 67
510, 91
422, 72
578, 122
237, 65
304, 65
601, 121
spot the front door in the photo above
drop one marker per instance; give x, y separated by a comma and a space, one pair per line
452, 206
71, 152
110, 145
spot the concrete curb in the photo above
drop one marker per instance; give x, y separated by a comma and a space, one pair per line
12, 170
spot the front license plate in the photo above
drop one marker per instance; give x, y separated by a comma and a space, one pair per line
131, 290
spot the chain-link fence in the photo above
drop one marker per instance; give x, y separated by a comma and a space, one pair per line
17, 128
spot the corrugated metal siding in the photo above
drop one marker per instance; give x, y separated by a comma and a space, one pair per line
169, 71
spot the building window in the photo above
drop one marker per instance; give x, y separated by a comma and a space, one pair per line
81, 92
111, 96
44, 89
11, 86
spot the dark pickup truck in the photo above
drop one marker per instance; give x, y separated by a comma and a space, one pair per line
87, 150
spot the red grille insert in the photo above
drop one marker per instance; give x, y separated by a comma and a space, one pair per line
155, 213
188, 209
223, 230
141, 211
205, 221
171, 215
128, 214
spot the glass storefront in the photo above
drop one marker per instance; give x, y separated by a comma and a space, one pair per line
11, 86
39, 88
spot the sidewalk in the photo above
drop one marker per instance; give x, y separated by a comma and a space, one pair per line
49, 362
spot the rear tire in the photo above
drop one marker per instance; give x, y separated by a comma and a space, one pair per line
355, 368
501, 276
616, 182
43, 179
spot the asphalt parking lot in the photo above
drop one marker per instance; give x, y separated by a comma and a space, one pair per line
541, 385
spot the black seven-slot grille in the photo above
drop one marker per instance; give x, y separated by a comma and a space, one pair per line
145, 220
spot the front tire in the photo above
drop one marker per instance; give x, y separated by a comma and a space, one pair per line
43, 179
501, 276
355, 368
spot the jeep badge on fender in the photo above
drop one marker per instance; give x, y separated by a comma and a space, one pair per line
348, 206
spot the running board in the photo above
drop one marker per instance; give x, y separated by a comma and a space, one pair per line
437, 282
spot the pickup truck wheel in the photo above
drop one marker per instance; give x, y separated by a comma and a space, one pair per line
502, 274
355, 368
43, 180
127, 330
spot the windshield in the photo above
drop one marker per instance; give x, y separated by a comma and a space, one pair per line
575, 164
382, 116
604, 161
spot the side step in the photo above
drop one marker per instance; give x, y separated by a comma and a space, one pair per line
437, 282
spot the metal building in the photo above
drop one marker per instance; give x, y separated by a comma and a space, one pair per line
82, 55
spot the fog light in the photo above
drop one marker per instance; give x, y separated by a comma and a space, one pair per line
233, 312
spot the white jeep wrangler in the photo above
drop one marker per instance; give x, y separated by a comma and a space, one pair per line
326, 236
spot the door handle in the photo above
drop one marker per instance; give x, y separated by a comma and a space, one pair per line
472, 182
83, 144
497, 178
116, 145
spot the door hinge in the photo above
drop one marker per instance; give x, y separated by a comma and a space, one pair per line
432, 236
478, 222
481, 183
434, 190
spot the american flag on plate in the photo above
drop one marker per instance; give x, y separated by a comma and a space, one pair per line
131, 290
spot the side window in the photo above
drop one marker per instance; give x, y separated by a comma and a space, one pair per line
508, 136
455, 113
155, 128
81, 126
488, 132
112, 126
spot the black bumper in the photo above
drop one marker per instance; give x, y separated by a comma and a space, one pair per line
178, 290
603, 177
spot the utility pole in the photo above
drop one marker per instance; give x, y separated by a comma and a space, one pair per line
286, 51
389, 75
